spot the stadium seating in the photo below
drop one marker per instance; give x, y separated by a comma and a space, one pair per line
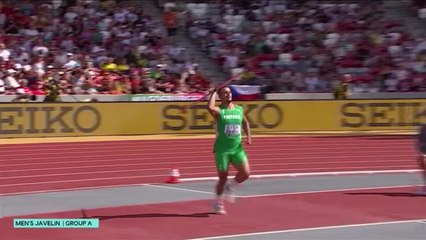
91, 47
321, 38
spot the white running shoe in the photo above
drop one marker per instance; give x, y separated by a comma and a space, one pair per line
229, 194
219, 208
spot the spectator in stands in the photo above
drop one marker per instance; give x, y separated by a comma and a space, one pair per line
341, 91
2, 84
92, 48
110, 65
313, 83
53, 90
4, 53
170, 21
150, 86
305, 37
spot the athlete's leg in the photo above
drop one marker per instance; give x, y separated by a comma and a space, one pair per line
220, 185
243, 172
241, 164
222, 166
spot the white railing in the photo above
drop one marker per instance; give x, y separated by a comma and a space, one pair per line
270, 96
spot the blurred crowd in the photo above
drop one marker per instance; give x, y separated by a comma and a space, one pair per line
305, 46
419, 8
90, 47
105, 47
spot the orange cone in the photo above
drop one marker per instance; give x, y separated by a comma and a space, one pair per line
174, 176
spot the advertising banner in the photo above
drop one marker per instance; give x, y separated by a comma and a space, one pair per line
94, 119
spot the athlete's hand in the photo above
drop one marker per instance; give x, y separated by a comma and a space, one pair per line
212, 90
248, 141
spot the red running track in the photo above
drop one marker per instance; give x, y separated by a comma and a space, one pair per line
27, 168
170, 221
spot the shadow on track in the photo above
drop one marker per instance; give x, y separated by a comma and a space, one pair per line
389, 194
151, 215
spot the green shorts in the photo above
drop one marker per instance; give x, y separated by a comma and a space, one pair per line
237, 157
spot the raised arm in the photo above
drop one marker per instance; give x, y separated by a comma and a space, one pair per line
211, 107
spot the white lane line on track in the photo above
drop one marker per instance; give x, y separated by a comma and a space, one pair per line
180, 189
142, 172
73, 189
311, 174
310, 229
282, 194
186, 167
107, 186
77, 180
210, 193
258, 176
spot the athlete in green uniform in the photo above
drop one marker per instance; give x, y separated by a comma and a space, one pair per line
230, 120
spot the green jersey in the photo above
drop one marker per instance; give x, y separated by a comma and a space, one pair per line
228, 127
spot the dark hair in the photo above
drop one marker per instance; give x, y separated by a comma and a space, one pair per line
220, 88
